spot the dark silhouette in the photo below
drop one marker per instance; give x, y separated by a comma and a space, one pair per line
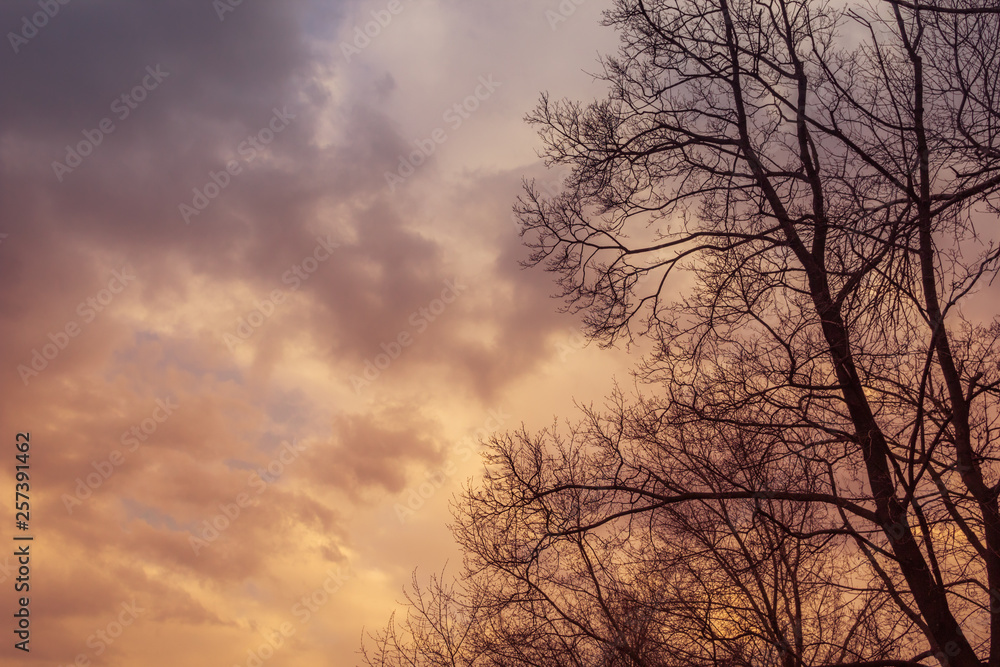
785, 197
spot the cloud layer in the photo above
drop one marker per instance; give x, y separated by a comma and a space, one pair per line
238, 346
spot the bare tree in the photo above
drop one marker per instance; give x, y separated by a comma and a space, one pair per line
810, 476
436, 630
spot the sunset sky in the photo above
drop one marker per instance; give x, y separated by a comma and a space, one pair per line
259, 270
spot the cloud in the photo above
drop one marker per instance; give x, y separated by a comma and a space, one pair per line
163, 104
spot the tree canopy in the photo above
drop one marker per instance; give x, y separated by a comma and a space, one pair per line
796, 203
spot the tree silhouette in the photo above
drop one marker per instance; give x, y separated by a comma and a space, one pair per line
784, 197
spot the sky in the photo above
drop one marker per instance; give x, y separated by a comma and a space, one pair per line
261, 301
